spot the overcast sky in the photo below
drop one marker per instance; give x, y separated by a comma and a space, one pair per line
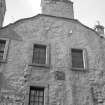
86, 11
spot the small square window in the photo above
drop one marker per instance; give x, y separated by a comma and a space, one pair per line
40, 55
3, 49
78, 59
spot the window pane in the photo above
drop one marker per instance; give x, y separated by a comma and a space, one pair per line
77, 58
2, 45
40, 103
36, 99
31, 103
40, 99
41, 93
1, 55
32, 98
32, 92
36, 103
39, 54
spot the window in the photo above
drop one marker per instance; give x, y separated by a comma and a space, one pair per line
36, 96
3, 49
40, 55
78, 59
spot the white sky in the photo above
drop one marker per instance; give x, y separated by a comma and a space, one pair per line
87, 11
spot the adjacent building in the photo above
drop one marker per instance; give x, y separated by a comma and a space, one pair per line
2, 11
52, 59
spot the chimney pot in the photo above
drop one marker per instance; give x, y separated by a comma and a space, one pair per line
99, 29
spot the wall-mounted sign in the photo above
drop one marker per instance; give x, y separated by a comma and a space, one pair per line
59, 75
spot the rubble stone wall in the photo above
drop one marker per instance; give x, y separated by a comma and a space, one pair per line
64, 85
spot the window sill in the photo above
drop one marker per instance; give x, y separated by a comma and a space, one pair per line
78, 69
3, 61
40, 65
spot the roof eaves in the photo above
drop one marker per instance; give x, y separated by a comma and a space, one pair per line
9, 33
40, 15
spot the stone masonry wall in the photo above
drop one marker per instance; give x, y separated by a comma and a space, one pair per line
58, 8
63, 85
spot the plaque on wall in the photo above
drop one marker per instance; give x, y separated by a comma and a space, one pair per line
97, 94
59, 75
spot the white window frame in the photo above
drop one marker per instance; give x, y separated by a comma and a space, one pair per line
5, 49
84, 59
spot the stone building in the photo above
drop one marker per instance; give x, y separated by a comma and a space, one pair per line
52, 59
2, 11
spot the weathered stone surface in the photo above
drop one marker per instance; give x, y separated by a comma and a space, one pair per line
59, 75
2, 11
76, 88
58, 8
